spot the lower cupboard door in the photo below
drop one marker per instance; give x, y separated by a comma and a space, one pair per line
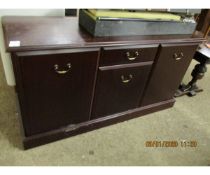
118, 90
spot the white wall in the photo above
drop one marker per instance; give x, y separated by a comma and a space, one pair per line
6, 59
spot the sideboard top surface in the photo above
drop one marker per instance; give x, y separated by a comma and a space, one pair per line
41, 33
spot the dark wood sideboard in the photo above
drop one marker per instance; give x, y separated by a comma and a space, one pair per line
69, 82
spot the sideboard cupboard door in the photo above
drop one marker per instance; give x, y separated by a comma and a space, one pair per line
168, 71
57, 87
119, 88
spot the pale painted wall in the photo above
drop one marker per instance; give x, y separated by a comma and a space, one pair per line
6, 59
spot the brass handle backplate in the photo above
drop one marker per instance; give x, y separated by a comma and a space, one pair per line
64, 71
126, 80
131, 56
179, 56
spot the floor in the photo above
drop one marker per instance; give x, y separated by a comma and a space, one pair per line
120, 144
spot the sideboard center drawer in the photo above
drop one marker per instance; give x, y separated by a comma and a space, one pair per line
127, 54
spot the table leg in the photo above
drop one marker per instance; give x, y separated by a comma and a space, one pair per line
191, 88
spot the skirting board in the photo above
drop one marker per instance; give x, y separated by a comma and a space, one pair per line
72, 130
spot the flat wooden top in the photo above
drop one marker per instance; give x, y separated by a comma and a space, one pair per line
38, 33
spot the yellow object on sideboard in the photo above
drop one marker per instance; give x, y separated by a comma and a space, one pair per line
139, 15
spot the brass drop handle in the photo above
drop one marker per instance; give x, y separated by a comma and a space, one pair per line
68, 67
178, 57
132, 57
126, 80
